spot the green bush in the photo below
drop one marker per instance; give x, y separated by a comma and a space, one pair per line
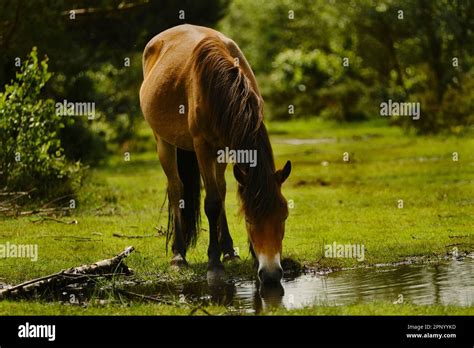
113, 126
315, 83
452, 112
31, 156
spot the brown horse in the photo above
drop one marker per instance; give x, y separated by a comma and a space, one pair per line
200, 96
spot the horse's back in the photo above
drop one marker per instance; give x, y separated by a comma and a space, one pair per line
167, 68
168, 71
173, 47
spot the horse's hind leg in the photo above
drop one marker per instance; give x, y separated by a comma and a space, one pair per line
225, 240
168, 159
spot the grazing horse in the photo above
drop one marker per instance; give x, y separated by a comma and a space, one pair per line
199, 96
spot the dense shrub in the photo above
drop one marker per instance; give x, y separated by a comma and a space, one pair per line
451, 111
31, 156
315, 83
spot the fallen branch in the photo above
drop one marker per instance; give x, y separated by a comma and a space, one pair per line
104, 266
45, 218
10, 207
144, 297
132, 237
47, 211
76, 238
56, 200
14, 193
58, 281
15, 211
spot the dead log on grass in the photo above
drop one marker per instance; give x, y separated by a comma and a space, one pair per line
57, 282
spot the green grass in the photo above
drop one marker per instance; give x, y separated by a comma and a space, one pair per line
378, 308
333, 201
375, 308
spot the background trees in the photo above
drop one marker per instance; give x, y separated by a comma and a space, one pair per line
94, 53
94, 50
419, 51
313, 58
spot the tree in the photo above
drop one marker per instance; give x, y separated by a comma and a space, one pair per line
419, 51
92, 45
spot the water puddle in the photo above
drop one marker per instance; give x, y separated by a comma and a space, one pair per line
446, 283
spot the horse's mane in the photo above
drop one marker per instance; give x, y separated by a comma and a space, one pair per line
238, 113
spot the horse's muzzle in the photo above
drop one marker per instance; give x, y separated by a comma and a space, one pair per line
267, 276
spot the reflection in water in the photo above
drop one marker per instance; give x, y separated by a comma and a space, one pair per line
268, 296
448, 283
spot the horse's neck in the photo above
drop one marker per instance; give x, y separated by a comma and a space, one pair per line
264, 149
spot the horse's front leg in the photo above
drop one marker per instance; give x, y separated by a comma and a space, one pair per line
225, 239
212, 203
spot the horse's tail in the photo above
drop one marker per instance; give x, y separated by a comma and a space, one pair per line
189, 174
232, 102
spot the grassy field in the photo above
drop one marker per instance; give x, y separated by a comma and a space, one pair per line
333, 200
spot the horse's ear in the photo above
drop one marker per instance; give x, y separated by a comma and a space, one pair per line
239, 175
284, 173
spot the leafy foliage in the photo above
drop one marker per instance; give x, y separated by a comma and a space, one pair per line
31, 154
395, 49
90, 43
313, 81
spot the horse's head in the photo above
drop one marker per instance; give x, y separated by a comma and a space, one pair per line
266, 232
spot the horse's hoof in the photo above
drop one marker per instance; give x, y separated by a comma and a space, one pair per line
178, 262
215, 276
229, 257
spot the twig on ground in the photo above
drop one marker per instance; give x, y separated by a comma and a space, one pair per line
45, 218
161, 230
143, 297
131, 237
